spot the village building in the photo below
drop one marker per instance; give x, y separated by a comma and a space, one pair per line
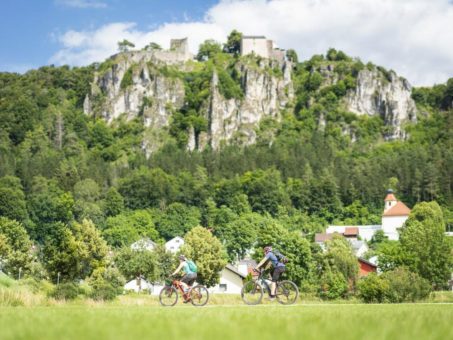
231, 281
144, 244
393, 217
174, 244
366, 267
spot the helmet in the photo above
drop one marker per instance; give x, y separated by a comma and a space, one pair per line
182, 257
267, 249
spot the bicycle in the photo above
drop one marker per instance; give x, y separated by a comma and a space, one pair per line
197, 295
252, 291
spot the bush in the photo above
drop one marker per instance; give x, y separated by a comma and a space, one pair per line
104, 291
373, 288
65, 291
396, 286
406, 286
333, 285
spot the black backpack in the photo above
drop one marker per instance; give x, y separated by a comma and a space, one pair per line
281, 258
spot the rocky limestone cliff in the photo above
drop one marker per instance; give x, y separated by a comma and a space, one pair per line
265, 95
155, 97
386, 95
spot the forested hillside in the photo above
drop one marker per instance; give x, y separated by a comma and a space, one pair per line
317, 164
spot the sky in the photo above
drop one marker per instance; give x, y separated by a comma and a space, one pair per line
412, 37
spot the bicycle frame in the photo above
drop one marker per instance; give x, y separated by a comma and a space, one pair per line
262, 281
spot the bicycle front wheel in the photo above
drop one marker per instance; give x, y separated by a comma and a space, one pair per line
168, 296
287, 292
252, 293
199, 295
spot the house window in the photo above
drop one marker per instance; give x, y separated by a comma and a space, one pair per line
222, 287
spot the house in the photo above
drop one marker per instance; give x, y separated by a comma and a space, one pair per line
174, 244
359, 247
246, 267
393, 217
143, 244
366, 267
231, 281
138, 285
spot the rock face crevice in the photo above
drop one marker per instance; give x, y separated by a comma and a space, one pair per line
387, 96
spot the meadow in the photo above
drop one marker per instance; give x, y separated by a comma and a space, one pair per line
232, 321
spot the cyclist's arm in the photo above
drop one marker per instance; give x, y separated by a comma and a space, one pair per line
178, 269
263, 261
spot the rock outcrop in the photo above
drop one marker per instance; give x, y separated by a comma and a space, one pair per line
134, 86
386, 95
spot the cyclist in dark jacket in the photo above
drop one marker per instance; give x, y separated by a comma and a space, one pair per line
277, 267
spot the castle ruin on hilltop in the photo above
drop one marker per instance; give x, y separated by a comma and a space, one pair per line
262, 47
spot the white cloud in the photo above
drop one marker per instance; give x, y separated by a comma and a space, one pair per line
82, 3
410, 36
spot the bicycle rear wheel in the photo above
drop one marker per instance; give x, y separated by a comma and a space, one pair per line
287, 292
252, 293
168, 296
199, 295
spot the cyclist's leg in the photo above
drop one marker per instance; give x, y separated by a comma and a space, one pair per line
275, 277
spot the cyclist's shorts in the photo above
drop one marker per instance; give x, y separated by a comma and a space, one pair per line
189, 278
277, 272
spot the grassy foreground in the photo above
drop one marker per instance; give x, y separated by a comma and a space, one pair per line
329, 321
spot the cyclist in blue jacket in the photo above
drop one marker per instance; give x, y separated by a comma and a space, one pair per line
277, 267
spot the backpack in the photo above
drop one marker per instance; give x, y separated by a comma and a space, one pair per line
281, 258
192, 266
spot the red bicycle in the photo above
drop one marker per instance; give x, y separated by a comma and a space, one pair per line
197, 295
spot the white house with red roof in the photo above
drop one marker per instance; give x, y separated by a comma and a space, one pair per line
393, 217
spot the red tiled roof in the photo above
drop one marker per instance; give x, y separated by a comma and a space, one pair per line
351, 231
323, 237
390, 197
399, 209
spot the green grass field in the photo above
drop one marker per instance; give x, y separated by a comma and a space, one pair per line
309, 321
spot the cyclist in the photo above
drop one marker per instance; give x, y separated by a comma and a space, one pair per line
277, 268
189, 276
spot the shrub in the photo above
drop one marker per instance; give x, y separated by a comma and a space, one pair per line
406, 286
104, 291
65, 291
396, 286
333, 285
373, 288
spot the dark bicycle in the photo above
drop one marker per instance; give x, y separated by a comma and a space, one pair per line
197, 295
252, 292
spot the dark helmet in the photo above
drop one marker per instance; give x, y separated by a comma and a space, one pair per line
182, 257
267, 249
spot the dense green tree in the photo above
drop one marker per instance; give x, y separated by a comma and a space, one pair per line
135, 264
208, 49
128, 227
233, 44
207, 252
176, 220
12, 199
424, 245
113, 202
15, 247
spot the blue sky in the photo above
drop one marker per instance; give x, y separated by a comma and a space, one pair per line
412, 37
29, 29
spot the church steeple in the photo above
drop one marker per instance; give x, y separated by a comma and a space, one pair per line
390, 200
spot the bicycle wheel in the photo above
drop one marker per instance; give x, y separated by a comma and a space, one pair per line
252, 293
287, 292
199, 296
168, 296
